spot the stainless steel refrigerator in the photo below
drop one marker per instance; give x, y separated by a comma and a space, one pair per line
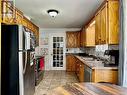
18, 44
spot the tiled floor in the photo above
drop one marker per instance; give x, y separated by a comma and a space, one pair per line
53, 79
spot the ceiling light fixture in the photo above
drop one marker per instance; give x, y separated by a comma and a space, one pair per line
52, 12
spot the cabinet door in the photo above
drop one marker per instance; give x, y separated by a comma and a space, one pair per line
81, 39
70, 63
98, 29
113, 22
77, 67
72, 39
24, 22
69, 39
19, 19
81, 72
73, 60
103, 25
78, 39
105, 75
84, 38
90, 36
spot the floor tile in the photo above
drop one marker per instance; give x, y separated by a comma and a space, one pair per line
53, 79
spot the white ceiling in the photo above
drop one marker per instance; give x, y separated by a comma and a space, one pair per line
73, 13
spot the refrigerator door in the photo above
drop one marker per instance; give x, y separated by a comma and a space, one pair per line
16, 79
21, 38
24, 38
26, 71
29, 77
27, 40
27, 74
32, 41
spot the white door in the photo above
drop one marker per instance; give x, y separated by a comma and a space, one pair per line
57, 51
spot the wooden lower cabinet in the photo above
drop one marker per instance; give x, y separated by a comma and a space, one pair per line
86, 74
105, 75
70, 63
77, 66
81, 72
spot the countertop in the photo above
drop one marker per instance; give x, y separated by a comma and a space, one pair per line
94, 64
89, 89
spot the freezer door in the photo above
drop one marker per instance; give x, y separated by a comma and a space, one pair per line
27, 74
29, 77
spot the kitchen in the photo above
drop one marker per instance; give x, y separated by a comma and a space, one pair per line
62, 48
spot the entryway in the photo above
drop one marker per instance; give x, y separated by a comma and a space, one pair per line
57, 51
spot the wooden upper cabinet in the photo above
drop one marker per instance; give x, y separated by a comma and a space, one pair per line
18, 17
78, 39
82, 38
90, 35
113, 22
103, 25
72, 39
107, 23
98, 29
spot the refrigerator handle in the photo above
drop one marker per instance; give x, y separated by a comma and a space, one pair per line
24, 70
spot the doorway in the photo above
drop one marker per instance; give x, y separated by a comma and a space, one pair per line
57, 51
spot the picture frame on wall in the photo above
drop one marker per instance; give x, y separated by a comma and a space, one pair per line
44, 41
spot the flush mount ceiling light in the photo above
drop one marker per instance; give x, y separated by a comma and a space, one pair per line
52, 12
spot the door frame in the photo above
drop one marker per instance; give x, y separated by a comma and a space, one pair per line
51, 35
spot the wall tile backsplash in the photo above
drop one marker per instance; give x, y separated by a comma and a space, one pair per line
99, 50
74, 50
41, 51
